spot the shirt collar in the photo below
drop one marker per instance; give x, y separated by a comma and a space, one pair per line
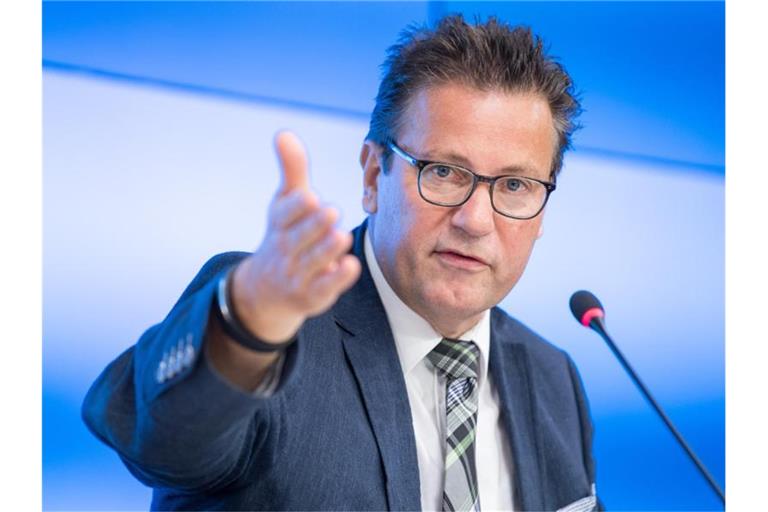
414, 336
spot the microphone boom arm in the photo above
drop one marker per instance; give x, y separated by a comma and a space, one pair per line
598, 325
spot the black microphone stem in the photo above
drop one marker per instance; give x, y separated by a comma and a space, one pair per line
598, 325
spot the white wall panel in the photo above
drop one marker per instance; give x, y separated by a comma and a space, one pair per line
142, 185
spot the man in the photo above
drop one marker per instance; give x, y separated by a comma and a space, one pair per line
305, 376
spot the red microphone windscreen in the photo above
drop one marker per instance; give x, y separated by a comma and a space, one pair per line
585, 307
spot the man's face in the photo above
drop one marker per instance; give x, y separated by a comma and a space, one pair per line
451, 264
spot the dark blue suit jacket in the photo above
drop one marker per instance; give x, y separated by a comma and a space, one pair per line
337, 434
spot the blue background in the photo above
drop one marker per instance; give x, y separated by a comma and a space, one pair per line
157, 114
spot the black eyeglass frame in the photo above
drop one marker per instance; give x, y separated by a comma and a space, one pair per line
491, 180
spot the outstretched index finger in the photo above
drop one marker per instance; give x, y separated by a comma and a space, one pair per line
293, 162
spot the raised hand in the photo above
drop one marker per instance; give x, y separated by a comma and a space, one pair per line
301, 266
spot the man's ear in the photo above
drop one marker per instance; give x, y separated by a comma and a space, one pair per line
371, 162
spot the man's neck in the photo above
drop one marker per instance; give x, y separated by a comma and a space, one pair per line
452, 329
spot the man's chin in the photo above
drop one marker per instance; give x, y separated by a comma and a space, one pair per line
451, 307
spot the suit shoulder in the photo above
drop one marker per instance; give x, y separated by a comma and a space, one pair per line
508, 330
551, 369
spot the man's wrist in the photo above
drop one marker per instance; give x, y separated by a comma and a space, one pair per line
231, 323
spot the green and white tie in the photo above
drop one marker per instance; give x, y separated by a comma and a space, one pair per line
458, 361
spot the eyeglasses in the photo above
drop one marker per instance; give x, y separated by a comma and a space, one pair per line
441, 184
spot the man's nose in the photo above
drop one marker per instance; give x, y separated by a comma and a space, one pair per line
476, 216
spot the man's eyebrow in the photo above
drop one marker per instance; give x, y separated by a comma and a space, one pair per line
455, 158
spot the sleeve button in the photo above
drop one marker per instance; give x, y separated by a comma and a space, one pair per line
161, 368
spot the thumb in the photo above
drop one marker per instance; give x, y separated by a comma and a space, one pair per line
293, 162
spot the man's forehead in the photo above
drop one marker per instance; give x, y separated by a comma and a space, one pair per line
450, 122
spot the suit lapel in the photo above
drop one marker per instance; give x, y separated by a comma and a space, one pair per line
508, 364
372, 354
371, 351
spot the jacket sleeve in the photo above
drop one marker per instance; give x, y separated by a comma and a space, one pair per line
172, 419
586, 428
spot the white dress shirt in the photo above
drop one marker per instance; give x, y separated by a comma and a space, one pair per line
415, 338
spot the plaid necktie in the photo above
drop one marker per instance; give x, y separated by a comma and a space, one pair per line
458, 360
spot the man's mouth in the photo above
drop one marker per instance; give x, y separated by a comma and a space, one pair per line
461, 260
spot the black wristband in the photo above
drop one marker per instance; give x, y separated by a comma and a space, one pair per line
232, 325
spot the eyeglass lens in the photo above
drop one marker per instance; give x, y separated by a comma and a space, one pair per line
450, 186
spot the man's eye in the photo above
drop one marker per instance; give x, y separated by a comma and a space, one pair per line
515, 185
442, 171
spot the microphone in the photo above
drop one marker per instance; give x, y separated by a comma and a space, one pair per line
590, 313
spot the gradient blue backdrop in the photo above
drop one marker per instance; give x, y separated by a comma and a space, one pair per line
158, 120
